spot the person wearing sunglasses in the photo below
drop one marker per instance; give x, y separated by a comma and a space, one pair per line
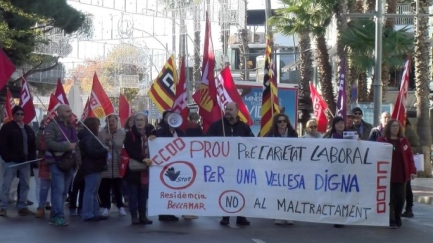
311, 131
17, 146
363, 128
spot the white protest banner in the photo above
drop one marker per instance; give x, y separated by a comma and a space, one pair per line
332, 181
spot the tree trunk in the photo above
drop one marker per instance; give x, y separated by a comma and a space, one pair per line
385, 80
353, 79
422, 82
362, 87
197, 39
306, 75
340, 9
325, 72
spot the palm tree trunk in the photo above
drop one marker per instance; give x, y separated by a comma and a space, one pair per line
422, 81
362, 87
389, 24
306, 73
325, 72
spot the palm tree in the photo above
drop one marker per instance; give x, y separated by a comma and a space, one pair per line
304, 17
243, 47
422, 82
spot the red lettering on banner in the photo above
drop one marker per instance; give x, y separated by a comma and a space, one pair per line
381, 186
169, 150
207, 149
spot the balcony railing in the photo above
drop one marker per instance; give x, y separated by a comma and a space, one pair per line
404, 9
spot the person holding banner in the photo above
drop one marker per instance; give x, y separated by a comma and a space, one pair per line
231, 126
136, 147
17, 149
402, 169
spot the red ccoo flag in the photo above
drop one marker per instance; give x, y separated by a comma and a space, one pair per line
205, 97
60, 93
87, 112
180, 104
319, 109
227, 92
100, 104
7, 68
399, 111
9, 104
124, 109
26, 102
52, 107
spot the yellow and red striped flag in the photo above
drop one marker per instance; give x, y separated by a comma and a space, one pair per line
269, 97
163, 90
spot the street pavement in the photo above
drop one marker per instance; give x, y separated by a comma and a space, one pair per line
207, 229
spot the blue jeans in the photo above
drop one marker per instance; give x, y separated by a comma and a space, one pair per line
60, 183
90, 200
43, 192
8, 175
137, 197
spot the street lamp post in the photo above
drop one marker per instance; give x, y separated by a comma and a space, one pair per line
377, 85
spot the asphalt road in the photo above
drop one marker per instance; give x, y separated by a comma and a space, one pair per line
207, 229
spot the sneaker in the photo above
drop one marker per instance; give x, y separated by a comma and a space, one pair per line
25, 212
278, 222
40, 213
3, 212
72, 212
122, 211
58, 222
242, 221
407, 214
105, 212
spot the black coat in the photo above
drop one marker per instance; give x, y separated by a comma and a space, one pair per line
93, 155
164, 131
292, 134
134, 150
237, 129
11, 143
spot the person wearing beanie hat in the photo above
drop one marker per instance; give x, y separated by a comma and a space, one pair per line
360, 125
17, 146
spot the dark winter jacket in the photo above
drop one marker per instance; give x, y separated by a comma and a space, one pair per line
164, 131
292, 134
11, 143
237, 129
93, 154
133, 147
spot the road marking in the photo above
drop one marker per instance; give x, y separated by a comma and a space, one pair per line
258, 241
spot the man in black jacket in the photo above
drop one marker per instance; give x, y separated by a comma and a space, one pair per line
231, 126
17, 145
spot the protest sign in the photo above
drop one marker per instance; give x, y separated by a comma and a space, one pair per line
314, 180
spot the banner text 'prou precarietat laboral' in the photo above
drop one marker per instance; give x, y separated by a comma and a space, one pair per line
312, 180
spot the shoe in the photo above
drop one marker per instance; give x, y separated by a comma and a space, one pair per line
122, 211
58, 222
290, 222
167, 218
145, 220
242, 221
189, 217
225, 221
105, 212
338, 226
172, 218
393, 226
92, 219
407, 214
30, 203
47, 206
3, 212
398, 222
40, 213
102, 217
135, 221
25, 212
279, 222
72, 212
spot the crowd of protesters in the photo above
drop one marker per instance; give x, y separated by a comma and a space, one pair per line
81, 163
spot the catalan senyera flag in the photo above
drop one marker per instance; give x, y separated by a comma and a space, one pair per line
399, 111
99, 102
269, 96
9, 104
227, 92
163, 92
205, 97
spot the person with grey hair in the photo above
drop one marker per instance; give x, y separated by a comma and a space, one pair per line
377, 131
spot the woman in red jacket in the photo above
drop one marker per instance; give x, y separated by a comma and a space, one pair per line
402, 169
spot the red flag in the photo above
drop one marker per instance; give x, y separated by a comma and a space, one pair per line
205, 97
319, 109
100, 104
9, 104
180, 104
26, 102
399, 111
60, 93
124, 109
227, 92
7, 68
87, 112
52, 107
